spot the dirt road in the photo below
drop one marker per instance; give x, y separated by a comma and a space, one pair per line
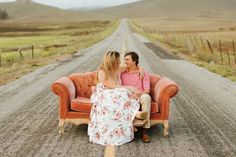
202, 115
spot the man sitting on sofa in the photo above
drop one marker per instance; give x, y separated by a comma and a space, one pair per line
142, 88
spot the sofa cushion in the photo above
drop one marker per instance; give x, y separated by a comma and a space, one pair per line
83, 83
154, 107
81, 104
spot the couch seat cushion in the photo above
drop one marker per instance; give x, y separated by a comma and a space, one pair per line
81, 104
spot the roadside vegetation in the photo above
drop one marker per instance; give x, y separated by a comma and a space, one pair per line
3, 14
26, 47
213, 49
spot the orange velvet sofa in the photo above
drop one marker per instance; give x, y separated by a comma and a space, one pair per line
74, 93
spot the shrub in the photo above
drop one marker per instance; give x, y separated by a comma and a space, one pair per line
3, 14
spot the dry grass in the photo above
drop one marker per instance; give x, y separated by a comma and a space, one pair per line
191, 42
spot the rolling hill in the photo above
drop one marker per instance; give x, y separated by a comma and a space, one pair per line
31, 12
175, 9
161, 9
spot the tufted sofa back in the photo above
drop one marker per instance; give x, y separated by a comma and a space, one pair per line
83, 83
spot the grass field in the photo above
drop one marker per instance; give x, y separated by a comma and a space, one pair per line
73, 37
210, 44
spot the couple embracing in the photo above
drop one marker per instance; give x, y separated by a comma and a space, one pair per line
121, 101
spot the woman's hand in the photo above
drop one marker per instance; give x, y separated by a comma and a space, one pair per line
133, 96
141, 72
132, 89
93, 88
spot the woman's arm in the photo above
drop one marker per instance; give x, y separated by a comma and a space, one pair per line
122, 69
140, 69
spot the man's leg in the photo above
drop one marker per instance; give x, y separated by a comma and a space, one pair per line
145, 101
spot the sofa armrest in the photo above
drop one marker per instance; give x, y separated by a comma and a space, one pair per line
163, 91
65, 89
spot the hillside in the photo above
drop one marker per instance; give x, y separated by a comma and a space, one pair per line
161, 9
175, 9
31, 12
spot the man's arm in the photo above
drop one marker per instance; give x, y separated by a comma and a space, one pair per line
122, 69
146, 85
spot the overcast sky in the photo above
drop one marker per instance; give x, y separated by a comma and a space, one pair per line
65, 4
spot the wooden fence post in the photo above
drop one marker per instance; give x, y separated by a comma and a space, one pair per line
234, 51
196, 41
221, 54
21, 55
228, 56
32, 51
209, 45
194, 48
0, 57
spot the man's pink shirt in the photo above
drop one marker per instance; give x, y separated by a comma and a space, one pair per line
133, 79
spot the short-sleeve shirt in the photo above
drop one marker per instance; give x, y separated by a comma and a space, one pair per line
133, 79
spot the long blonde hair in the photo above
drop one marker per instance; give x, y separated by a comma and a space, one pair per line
110, 64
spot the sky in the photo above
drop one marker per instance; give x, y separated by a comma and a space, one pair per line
66, 4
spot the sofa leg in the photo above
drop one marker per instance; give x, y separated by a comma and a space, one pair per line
109, 151
166, 128
61, 126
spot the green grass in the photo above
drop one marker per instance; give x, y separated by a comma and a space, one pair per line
75, 36
222, 70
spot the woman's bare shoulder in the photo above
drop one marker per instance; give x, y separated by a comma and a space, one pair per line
101, 75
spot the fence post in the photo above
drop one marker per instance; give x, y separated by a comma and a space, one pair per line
228, 56
32, 51
0, 57
221, 54
22, 57
234, 52
196, 41
209, 45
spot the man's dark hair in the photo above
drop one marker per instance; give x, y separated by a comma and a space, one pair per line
134, 57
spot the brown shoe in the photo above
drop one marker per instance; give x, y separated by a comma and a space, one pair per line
145, 137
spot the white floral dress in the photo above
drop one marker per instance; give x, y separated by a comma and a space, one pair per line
111, 116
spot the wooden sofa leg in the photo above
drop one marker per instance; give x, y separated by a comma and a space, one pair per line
61, 126
109, 151
166, 128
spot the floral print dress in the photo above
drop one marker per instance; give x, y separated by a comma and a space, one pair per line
111, 116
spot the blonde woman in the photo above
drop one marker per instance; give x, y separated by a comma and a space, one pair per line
113, 110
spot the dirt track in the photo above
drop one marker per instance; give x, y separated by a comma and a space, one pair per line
202, 115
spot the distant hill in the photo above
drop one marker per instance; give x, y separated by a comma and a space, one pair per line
30, 12
162, 9
175, 9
